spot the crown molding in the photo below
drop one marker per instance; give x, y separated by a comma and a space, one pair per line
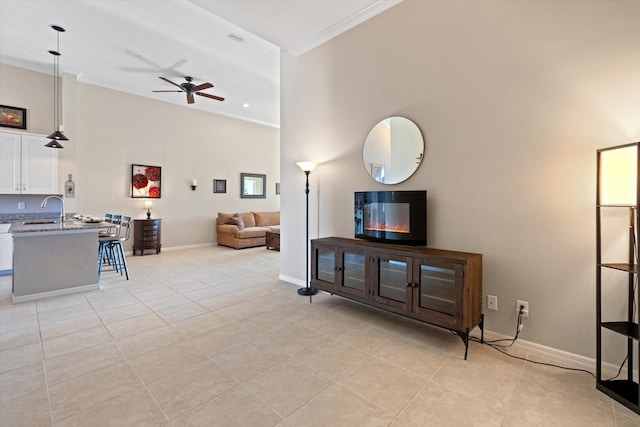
343, 25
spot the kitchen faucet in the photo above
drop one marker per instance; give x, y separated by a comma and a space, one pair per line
46, 199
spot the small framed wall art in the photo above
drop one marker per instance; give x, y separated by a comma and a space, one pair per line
219, 185
377, 172
145, 181
13, 117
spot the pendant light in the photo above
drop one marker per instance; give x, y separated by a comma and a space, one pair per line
57, 134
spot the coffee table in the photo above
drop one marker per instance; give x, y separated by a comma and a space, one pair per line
273, 240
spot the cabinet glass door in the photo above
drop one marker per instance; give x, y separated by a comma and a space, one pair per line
438, 287
353, 272
326, 262
391, 281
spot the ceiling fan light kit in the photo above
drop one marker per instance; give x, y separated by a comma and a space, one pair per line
191, 89
57, 134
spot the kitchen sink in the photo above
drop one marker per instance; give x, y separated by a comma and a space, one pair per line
39, 221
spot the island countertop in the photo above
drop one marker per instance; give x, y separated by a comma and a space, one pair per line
73, 225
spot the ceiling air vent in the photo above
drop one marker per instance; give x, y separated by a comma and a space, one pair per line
235, 37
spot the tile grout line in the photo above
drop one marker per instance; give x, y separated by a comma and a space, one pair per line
44, 367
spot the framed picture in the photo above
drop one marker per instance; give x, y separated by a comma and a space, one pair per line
145, 181
219, 185
13, 117
377, 172
253, 186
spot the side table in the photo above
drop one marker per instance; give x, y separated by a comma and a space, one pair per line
146, 235
273, 240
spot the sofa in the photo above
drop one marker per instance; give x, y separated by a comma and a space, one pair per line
245, 229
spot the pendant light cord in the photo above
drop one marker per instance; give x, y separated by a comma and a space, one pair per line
57, 104
57, 84
55, 89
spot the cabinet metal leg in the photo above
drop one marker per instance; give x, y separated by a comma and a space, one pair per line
465, 338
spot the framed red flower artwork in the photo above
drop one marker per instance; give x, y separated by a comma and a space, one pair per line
145, 181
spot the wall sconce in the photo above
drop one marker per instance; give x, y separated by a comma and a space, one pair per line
194, 185
148, 204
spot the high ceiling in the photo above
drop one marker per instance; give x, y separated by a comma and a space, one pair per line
127, 44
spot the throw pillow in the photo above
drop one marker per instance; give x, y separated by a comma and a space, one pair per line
236, 220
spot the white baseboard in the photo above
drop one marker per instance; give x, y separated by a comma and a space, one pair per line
292, 280
543, 351
178, 248
49, 294
181, 248
546, 354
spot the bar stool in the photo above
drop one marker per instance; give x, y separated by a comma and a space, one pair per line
112, 231
111, 248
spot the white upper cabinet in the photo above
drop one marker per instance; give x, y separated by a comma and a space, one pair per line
10, 163
26, 165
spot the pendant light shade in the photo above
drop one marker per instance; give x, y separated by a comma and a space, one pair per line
57, 134
54, 144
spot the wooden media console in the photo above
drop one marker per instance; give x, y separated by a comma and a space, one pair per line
439, 287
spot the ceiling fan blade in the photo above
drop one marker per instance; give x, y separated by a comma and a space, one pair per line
169, 81
206, 95
190, 99
167, 91
202, 86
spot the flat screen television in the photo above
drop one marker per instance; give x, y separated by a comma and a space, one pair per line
398, 217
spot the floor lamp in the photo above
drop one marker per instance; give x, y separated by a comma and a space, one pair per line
307, 167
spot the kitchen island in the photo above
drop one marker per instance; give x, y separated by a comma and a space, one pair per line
54, 258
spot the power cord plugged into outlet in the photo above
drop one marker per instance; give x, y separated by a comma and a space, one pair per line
521, 315
498, 346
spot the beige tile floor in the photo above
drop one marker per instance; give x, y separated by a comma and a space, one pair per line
211, 337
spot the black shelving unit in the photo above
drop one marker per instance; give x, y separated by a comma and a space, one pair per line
625, 389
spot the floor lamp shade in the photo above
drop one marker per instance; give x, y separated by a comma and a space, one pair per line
307, 166
618, 175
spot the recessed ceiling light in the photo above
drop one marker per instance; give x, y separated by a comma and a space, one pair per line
235, 37
245, 105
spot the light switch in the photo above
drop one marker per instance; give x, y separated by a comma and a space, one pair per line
20, 205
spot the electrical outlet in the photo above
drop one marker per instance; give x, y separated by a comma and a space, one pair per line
525, 310
492, 302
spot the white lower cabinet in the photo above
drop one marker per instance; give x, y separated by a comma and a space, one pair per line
6, 251
26, 165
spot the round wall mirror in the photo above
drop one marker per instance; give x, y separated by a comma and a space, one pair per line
393, 150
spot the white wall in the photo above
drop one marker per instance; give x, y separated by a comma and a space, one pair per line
111, 130
117, 129
513, 99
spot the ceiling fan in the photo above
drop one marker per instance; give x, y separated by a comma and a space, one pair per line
190, 89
